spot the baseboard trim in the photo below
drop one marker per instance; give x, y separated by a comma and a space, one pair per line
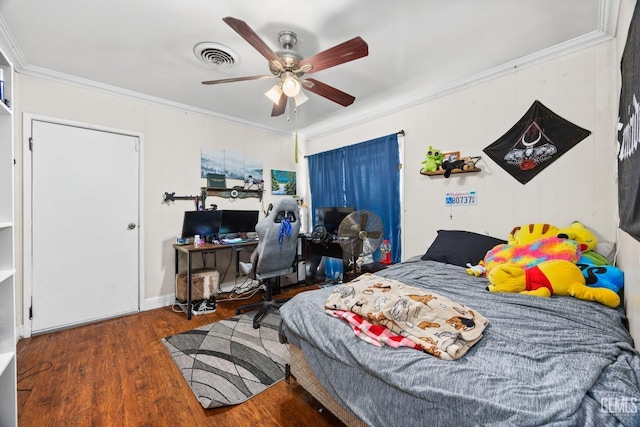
158, 302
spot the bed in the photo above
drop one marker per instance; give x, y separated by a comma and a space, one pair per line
541, 361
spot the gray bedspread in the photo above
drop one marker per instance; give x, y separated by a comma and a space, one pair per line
557, 361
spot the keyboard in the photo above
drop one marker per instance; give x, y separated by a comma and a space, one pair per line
231, 241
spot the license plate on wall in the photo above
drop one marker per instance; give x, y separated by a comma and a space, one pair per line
461, 198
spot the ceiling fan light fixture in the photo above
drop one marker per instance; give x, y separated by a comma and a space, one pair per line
300, 99
274, 93
290, 85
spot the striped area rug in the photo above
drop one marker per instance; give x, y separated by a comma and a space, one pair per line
227, 362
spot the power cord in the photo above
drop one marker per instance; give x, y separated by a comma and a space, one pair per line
28, 373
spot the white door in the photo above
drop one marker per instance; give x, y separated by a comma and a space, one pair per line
84, 198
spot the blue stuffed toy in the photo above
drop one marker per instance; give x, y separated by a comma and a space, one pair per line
596, 269
601, 276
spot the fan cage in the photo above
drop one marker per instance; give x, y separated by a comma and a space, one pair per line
354, 242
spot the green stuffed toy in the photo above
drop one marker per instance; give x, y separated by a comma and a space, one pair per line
433, 160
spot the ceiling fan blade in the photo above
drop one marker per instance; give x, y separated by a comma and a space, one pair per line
278, 109
236, 79
339, 54
328, 92
253, 39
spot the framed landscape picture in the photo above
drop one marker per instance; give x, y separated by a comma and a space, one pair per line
283, 182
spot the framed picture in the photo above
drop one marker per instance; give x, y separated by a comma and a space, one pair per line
215, 180
283, 182
451, 156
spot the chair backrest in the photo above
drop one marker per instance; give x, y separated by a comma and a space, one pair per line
277, 249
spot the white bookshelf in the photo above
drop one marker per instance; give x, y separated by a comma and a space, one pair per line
8, 339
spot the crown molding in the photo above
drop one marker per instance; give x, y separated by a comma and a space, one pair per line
402, 102
608, 18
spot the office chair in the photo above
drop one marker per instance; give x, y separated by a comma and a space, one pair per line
275, 254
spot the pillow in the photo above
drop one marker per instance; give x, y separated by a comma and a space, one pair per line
460, 247
607, 250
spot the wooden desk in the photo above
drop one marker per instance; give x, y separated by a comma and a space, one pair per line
189, 250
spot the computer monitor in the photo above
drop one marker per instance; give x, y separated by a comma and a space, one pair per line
331, 217
238, 222
203, 223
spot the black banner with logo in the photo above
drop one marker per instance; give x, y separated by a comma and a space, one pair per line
534, 142
629, 133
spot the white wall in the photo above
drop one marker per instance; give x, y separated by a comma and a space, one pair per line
172, 142
583, 87
578, 186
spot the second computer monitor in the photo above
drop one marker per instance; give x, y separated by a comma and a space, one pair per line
331, 217
236, 222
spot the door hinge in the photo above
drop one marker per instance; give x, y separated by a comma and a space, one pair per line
31, 313
31, 143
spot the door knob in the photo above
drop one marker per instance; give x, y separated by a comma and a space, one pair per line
131, 226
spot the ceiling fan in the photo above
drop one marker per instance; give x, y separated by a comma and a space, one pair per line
289, 66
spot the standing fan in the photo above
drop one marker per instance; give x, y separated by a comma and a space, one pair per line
359, 234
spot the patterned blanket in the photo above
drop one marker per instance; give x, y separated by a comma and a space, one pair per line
436, 324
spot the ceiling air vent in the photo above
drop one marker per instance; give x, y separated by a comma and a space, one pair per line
215, 54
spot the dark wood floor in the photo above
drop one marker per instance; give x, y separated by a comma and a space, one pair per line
118, 373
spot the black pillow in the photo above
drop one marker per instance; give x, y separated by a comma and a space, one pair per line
460, 247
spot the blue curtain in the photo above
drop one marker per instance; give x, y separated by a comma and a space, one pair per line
326, 179
365, 176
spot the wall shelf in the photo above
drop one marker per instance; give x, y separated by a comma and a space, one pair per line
441, 172
234, 193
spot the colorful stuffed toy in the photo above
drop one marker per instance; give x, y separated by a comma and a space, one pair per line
531, 254
554, 277
433, 160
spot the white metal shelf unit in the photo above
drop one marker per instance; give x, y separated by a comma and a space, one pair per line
8, 388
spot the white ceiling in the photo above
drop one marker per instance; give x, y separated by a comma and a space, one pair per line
417, 48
